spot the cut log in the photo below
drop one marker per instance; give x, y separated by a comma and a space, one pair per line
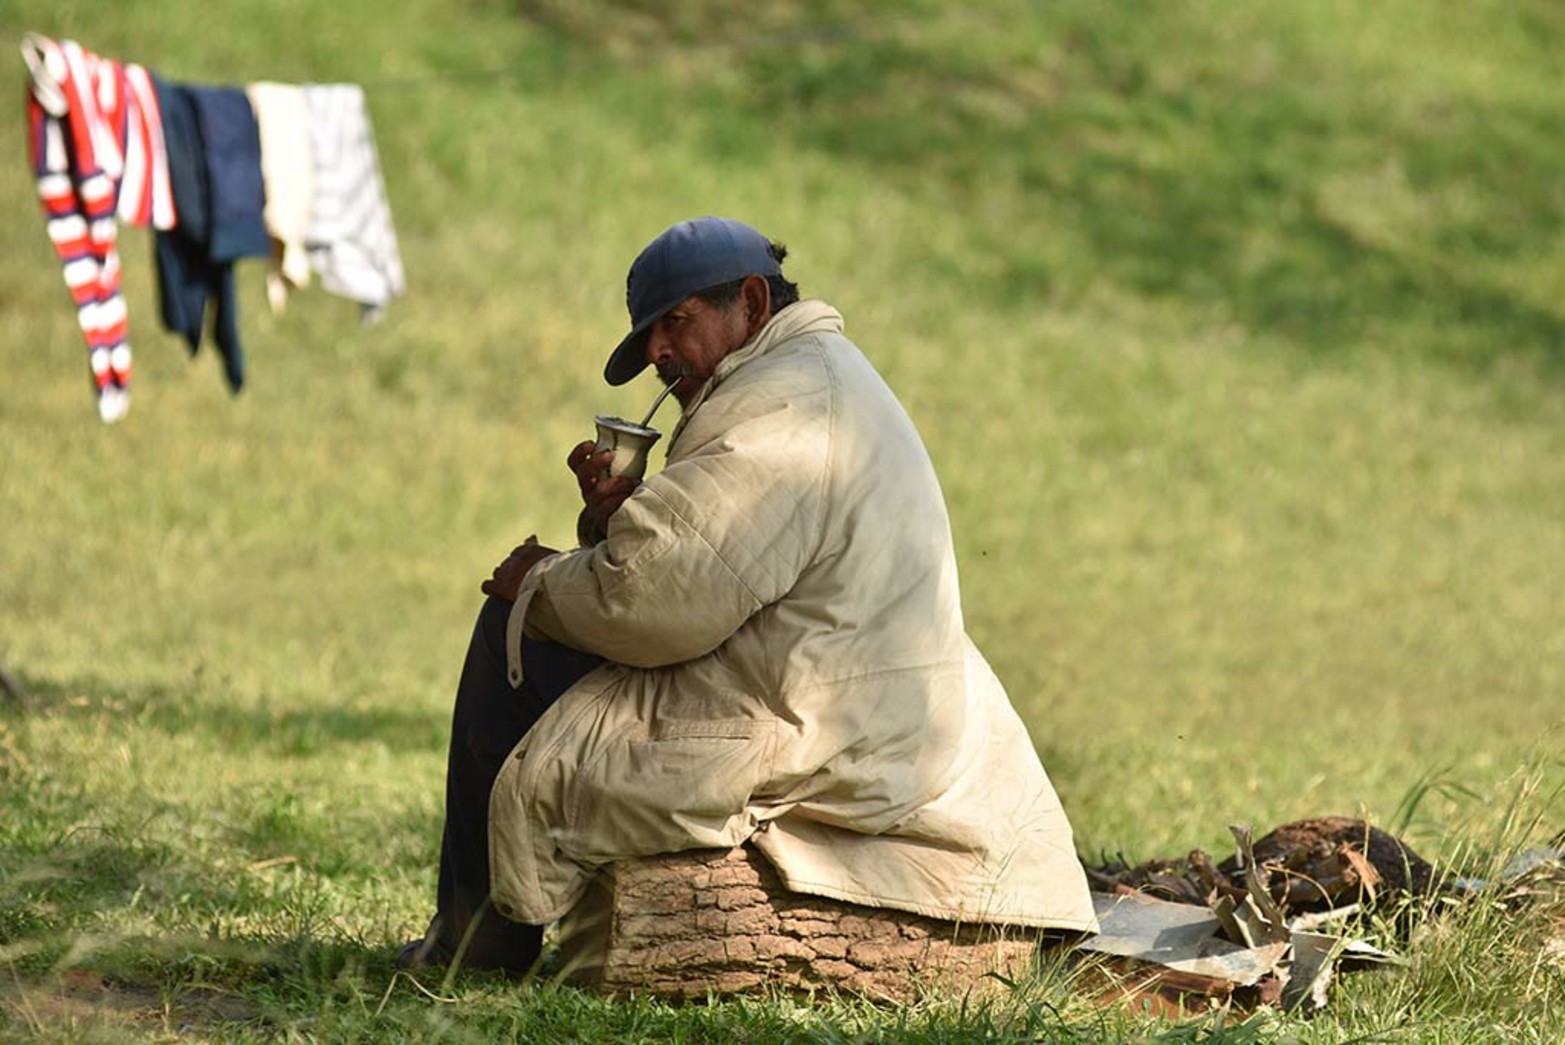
716, 921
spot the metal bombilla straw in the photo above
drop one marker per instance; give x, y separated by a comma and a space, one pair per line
678, 377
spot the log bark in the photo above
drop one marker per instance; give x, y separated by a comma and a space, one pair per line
716, 921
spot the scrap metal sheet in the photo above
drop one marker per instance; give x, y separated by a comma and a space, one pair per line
1181, 937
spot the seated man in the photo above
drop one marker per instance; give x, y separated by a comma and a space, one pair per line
763, 642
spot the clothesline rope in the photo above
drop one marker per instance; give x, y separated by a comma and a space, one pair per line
832, 31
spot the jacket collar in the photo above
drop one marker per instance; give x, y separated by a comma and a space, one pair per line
797, 320
802, 317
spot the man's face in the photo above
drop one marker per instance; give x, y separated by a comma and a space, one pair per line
693, 337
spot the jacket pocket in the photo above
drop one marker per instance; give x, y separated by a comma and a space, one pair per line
685, 786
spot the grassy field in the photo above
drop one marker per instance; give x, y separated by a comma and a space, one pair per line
1235, 331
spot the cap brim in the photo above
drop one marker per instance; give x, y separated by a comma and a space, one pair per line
629, 357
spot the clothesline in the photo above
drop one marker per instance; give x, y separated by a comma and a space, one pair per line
830, 31
393, 83
353, 249
219, 173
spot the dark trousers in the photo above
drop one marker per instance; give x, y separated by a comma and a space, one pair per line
488, 720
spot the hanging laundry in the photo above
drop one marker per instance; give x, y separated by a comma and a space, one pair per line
287, 172
350, 239
214, 156
220, 174
95, 138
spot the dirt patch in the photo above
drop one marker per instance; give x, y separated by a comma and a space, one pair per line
79, 998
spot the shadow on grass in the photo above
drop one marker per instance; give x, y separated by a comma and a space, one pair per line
280, 731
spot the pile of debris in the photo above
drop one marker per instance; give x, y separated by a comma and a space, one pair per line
1310, 865
1255, 928
1258, 927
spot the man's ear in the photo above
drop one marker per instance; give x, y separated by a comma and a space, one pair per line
755, 296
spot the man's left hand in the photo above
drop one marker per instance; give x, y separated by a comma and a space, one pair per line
506, 580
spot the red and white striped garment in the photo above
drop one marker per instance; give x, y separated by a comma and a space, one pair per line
96, 143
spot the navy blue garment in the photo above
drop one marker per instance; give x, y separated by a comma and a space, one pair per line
214, 158
488, 719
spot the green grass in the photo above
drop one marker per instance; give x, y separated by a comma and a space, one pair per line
1234, 330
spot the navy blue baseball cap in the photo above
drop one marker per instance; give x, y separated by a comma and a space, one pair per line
692, 256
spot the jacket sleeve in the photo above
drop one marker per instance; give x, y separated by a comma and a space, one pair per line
725, 529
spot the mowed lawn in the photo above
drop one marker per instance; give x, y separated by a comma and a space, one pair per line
1235, 331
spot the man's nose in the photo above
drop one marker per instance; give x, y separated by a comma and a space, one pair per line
658, 347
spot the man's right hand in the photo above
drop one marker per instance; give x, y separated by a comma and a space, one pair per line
506, 581
601, 493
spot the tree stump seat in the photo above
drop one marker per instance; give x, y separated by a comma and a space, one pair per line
717, 921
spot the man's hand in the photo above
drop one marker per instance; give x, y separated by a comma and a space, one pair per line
601, 493
506, 580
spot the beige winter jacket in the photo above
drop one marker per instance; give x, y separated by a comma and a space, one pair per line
789, 666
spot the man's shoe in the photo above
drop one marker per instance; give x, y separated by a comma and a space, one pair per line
423, 953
